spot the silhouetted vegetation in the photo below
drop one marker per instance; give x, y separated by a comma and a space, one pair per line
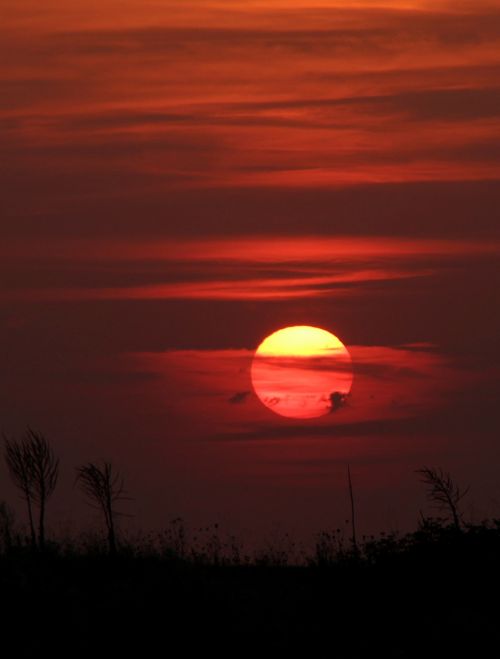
424, 593
353, 516
34, 469
103, 488
443, 491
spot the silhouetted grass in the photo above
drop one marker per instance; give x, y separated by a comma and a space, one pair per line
426, 593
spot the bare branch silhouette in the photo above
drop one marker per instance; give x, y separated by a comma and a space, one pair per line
34, 469
443, 491
103, 489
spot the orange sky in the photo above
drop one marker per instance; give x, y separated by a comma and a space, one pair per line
162, 94
180, 179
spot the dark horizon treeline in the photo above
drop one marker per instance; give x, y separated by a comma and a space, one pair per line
34, 470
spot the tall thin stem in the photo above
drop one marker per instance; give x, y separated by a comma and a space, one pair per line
353, 518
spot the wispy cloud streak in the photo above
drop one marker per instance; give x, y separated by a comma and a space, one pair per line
249, 268
254, 94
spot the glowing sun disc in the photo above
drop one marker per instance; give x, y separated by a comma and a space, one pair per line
302, 372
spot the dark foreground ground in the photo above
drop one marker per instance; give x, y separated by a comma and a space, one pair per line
434, 593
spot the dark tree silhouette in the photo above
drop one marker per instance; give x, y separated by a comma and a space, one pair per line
443, 491
103, 488
34, 469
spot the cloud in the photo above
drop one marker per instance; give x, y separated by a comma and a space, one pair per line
337, 401
255, 96
390, 384
250, 289
156, 152
239, 397
269, 268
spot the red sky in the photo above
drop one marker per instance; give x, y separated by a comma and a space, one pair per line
180, 179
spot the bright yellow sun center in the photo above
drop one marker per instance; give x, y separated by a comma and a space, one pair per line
302, 372
300, 341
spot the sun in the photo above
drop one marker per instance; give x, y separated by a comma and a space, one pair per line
302, 372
